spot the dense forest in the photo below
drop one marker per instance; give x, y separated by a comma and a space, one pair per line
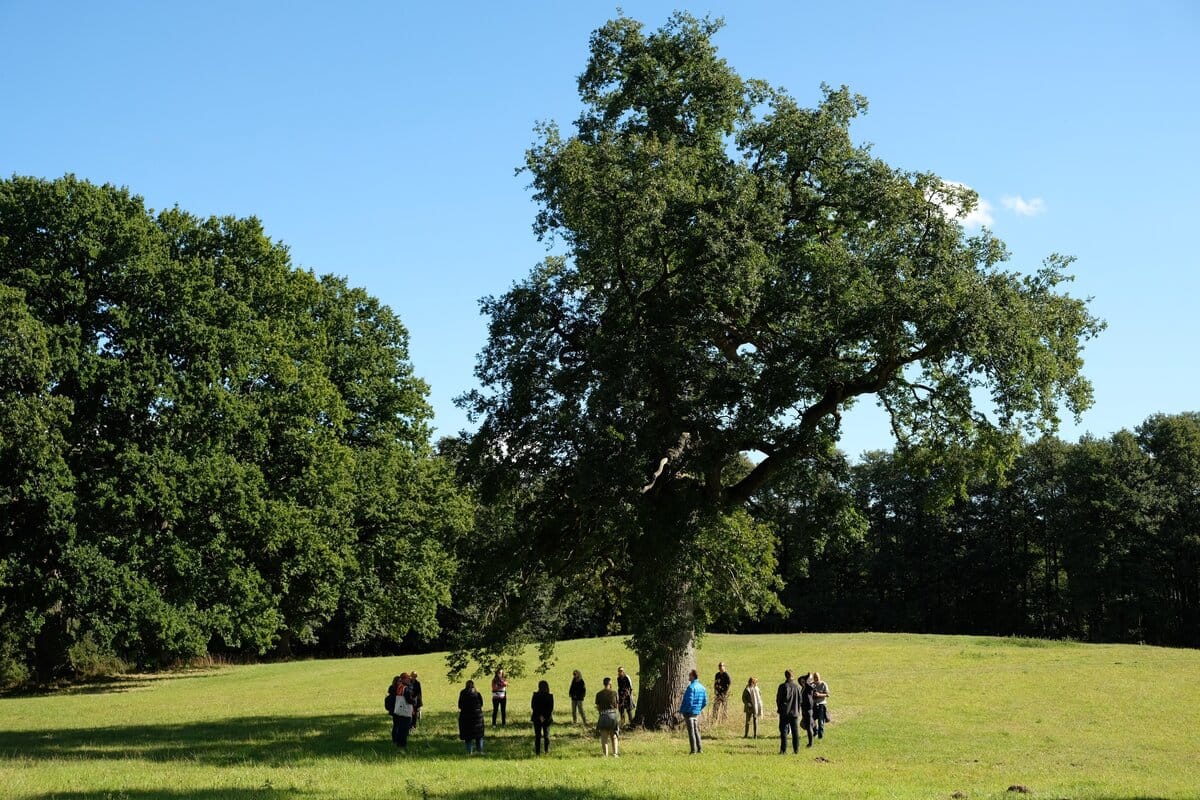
207, 451
1097, 541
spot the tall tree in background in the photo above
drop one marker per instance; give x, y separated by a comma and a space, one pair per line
202, 449
736, 274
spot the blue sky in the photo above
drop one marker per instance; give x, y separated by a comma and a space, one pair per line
379, 140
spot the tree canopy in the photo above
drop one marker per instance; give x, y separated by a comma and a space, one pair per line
202, 448
735, 273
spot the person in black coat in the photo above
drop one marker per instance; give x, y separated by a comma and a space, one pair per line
542, 706
806, 705
470, 717
577, 693
787, 703
414, 689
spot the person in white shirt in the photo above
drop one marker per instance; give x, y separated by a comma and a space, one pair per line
820, 711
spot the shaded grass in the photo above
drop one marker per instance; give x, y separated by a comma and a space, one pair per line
915, 717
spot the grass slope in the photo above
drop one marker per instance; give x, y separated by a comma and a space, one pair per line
914, 717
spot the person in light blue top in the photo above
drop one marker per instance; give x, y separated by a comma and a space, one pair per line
695, 698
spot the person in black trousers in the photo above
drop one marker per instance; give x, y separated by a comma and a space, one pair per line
542, 706
624, 696
577, 693
787, 703
806, 705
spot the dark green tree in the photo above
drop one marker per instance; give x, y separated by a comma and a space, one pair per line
230, 454
736, 273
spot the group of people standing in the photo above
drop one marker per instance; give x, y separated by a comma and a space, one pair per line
403, 702
801, 705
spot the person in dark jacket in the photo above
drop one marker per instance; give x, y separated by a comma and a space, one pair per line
542, 706
414, 690
787, 703
402, 712
578, 693
624, 696
806, 705
394, 688
470, 717
721, 684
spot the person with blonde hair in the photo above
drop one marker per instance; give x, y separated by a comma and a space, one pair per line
752, 701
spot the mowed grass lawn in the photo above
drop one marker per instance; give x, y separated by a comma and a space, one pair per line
914, 717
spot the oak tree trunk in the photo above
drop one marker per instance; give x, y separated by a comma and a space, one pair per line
662, 676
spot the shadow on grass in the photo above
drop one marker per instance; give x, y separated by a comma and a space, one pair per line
270, 741
110, 685
167, 794
497, 793
541, 793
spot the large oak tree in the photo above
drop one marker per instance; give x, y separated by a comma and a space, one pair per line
736, 273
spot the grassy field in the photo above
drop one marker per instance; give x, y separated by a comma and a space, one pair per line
914, 717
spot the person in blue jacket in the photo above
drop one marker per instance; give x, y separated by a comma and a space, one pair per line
695, 698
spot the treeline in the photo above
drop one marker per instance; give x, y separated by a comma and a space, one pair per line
1097, 541
207, 451
202, 449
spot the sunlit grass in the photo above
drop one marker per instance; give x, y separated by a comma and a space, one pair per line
914, 717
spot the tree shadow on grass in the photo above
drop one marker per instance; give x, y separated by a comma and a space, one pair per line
109, 685
178, 794
493, 793
542, 793
265, 740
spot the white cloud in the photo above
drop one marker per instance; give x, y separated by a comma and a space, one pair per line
951, 206
1023, 207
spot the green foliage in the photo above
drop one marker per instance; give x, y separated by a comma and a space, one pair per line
204, 448
737, 273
